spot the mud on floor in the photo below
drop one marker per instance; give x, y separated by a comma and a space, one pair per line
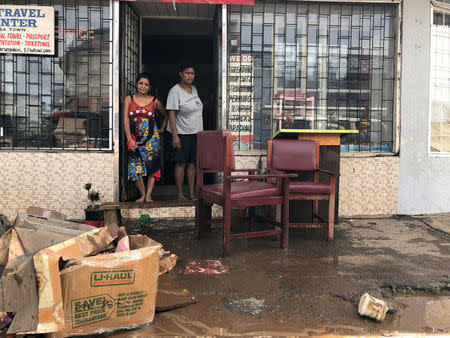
313, 287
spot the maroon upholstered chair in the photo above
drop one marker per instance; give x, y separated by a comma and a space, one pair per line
215, 155
301, 156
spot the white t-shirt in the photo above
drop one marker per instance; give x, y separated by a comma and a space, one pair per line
188, 109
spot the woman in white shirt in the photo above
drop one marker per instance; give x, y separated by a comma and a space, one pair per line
185, 121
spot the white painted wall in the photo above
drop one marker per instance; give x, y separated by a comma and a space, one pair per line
424, 181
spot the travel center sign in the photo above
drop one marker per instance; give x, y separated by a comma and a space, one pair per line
27, 29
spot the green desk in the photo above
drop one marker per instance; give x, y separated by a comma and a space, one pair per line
330, 155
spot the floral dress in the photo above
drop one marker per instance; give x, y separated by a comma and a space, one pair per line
146, 159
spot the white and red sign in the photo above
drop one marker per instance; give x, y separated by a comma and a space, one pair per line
27, 29
240, 98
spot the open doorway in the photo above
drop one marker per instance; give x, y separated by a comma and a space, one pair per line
170, 38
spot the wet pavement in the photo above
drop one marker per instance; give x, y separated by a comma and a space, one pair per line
312, 288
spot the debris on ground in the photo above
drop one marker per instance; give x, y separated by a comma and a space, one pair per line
167, 262
207, 267
372, 307
18, 245
88, 280
245, 305
144, 221
171, 295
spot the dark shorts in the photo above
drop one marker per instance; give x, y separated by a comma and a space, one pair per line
188, 151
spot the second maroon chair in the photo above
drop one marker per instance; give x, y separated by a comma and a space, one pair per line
303, 156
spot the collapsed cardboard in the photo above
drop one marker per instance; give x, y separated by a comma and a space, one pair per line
4, 224
46, 213
18, 292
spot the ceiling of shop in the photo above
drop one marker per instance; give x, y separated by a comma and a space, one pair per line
165, 10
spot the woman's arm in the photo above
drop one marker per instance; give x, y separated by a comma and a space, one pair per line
173, 101
126, 123
163, 111
173, 128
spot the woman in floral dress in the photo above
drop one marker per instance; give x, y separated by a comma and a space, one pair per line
143, 141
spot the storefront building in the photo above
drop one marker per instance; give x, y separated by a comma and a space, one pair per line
380, 67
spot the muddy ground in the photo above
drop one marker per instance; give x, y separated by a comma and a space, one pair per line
313, 287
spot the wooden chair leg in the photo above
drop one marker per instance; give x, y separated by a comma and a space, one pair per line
315, 211
331, 218
285, 225
226, 244
268, 211
251, 219
197, 218
203, 214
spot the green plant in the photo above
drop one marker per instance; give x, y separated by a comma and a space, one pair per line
406, 290
435, 289
93, 197
409, 291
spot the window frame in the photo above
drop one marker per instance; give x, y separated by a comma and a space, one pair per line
444, 8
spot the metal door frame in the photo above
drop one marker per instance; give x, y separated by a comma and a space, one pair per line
119, 87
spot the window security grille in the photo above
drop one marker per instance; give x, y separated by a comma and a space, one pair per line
305, 65
61, 101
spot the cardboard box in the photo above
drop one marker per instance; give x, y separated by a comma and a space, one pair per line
98, 293
112, 291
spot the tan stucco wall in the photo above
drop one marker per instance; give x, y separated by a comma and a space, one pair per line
53, 180
368, 185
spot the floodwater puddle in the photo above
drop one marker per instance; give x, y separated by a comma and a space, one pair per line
429, 314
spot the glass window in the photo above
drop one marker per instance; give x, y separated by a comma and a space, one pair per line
440, 86
321, 66
60, 101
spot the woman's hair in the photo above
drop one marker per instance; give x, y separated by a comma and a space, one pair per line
183, 67
143, 76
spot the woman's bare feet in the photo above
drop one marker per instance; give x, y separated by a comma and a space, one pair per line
148, 199
141, 199
182, 198
191, 197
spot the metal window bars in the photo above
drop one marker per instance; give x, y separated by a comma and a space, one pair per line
312, 66
61, 101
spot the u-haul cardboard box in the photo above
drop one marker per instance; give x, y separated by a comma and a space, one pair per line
97, 293
112, 291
